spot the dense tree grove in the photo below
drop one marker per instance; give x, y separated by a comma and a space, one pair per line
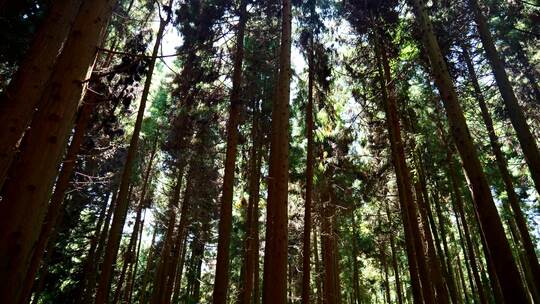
269, 151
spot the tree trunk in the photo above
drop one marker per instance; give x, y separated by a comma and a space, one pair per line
521, 223
57, 199
275, 258
120, 212
22, 96
415, 248
524, 135
466, 231
486, 210
331, 286
149, 262
306, 271
221, 281
318, 280
26, 192
180, 270
356, 277
255, 161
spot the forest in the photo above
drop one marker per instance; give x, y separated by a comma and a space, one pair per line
269, 151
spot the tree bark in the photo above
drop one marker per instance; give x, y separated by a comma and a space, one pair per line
22, 96
57, 199
526, 139
275, 258
221, 280
521, 223
26, 192
419, 273
120, 212
486, 210
306, 271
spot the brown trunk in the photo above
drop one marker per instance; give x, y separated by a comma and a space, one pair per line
221, 281
318, 269
433, 259
180, 270
149, 262
309, 183
356, 277
130, 250
275, 257
18, 103
524, 135
395, 267
179, 241
247, 293
521, 223
445, 253
56, 203
120, 212
331, 286
415, 248
168, 246
26, 192
486, 210
466, 231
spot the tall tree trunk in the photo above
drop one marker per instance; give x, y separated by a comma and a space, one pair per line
179, 272
420, 278
318, 269
22, 96
275, 257
433, 259
221, 280
331, 286
523, 133
356, 277
521, 223
26, 192
255, 161
486, 210
466, 231
445, 253
146, 273
56, 203
179, 241
395, 266
167, 247
120, 212
306, 273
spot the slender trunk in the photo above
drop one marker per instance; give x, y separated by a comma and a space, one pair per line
331, 288
318, 280
419, 273
384, 262
523, 133
167, 247
306, 271
180, 235
120, 212
486, 210
180, 270
356, 277
22, 96
524, 236
26, 192
459, 208
395, 267
149, 262
128, 256
433, 259
446, 254
247, 293
275, 258
221, 281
